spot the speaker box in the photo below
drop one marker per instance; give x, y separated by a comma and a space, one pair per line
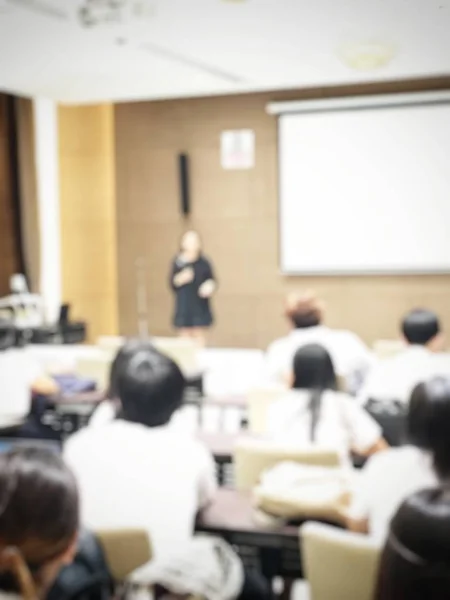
183, 173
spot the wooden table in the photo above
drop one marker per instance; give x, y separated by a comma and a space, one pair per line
275, 552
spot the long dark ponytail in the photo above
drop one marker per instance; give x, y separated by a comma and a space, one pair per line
314, 371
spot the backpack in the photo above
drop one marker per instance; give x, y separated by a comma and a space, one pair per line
88, 577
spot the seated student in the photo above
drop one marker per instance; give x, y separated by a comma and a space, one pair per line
314, 411
139, 470
305, 312
392, 475
394, 378
415, 564
20, 377
38, 521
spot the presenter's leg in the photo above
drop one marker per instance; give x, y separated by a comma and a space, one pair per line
198, 334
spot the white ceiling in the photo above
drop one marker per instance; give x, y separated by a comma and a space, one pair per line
201, 47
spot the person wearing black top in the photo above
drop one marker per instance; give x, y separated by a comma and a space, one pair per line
192, 279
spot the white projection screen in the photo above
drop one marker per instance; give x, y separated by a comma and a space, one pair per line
365, 191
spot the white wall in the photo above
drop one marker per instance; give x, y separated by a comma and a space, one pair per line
47, 175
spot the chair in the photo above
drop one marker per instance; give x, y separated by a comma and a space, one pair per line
183, 351
125, 550
387, 348
258, 402
338, 564
110, 343
96, 367
253, 457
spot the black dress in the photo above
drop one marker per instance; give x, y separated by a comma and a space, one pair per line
190, 309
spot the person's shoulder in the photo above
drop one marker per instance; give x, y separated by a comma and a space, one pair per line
349, 337
205, 260
278, 344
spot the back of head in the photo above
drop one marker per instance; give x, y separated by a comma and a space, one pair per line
428, 422
304, 310
420, 327
415, 564
314, 371
149, 384
38, 517
313, 368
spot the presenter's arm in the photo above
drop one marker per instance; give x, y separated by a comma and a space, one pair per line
209, 286
180, 276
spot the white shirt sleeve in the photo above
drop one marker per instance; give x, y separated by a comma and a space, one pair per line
207, 476
364, 432
31, 369
277, 362
361, 505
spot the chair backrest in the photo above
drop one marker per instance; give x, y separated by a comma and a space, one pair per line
258, 402
125, 550
387, 348
111, 343
253, 457
183, 351
338, 564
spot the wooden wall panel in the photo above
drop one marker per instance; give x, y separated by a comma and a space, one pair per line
236, 213
9, 260
88, 215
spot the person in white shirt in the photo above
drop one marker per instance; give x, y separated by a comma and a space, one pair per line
139, 471
315, 412
393, 379
305, 312
20, 377
390, 476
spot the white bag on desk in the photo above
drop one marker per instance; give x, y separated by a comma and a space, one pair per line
205, 567
296, 491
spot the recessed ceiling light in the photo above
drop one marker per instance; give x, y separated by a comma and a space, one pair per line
367, 56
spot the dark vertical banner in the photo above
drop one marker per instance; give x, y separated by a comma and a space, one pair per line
14, 177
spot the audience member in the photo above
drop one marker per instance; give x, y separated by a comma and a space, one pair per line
38, 521
305, 313
314, 411
20, 377
392, 475
394, 378
139, 470
415, 564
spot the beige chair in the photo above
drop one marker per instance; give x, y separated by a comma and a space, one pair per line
338, 564
387, 348
183, 351
258, 403
110, 343
125, 550
96, 367
253, 457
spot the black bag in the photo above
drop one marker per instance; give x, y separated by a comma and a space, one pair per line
391, 416
88, 577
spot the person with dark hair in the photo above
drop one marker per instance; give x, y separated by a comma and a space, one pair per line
193, 283
305, 313
394, 378
20, 377
38, 521
316, 412
391, 476
415, 563
140, 470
